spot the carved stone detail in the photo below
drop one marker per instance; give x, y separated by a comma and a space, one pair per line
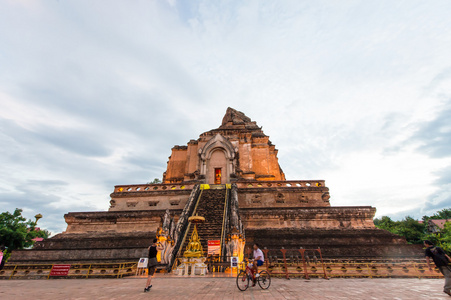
132, 203
326, 196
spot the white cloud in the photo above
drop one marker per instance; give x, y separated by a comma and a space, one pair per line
96, 93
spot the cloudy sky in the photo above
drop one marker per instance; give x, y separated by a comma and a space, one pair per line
95, 93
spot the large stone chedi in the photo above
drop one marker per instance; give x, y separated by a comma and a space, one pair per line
238, 149
231, 177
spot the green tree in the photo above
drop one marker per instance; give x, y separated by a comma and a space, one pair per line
16, 232
155, 181
442, 214
385, 223
416, 232
409, 228
441, 239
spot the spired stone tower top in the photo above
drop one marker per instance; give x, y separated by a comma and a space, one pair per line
235, 151
238, 121
234, 117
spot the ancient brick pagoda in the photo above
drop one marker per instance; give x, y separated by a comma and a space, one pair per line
232, 178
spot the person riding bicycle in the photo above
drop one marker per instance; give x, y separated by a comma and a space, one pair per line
259, 258
250, 273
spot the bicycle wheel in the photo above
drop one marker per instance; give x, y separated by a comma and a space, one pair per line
242, 281
264, 280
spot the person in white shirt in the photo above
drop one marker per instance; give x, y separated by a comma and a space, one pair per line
259, 258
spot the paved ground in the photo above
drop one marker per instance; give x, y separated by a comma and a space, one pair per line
222, 288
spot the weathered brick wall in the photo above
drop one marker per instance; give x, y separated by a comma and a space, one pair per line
330, 218
149, 200
87, 248
116, 222
364, 244
282, 197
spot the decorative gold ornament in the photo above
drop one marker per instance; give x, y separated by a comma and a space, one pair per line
196, 219
38, 216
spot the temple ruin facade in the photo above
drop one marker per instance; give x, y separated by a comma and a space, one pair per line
230, 176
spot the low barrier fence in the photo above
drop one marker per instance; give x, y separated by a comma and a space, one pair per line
241, 185
306, 263
47, 271
284, 184
285, 263
382, 270
294, 262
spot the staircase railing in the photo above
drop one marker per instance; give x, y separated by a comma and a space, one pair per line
183, 223
225, 221
186, 232
189, 224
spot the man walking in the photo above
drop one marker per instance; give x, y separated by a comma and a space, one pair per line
441, 260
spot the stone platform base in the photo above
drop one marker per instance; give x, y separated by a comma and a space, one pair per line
363, 244
194, 266
87, 248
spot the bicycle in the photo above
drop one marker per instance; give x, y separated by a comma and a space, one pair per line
245, 276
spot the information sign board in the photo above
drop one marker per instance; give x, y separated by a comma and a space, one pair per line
142, 263
214, 247
234, 262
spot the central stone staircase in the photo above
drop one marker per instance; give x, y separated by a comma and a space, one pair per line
211, 207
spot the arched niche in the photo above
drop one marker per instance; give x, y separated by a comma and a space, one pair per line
218, 153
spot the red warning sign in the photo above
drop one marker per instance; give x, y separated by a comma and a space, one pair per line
214, 247
60, 270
